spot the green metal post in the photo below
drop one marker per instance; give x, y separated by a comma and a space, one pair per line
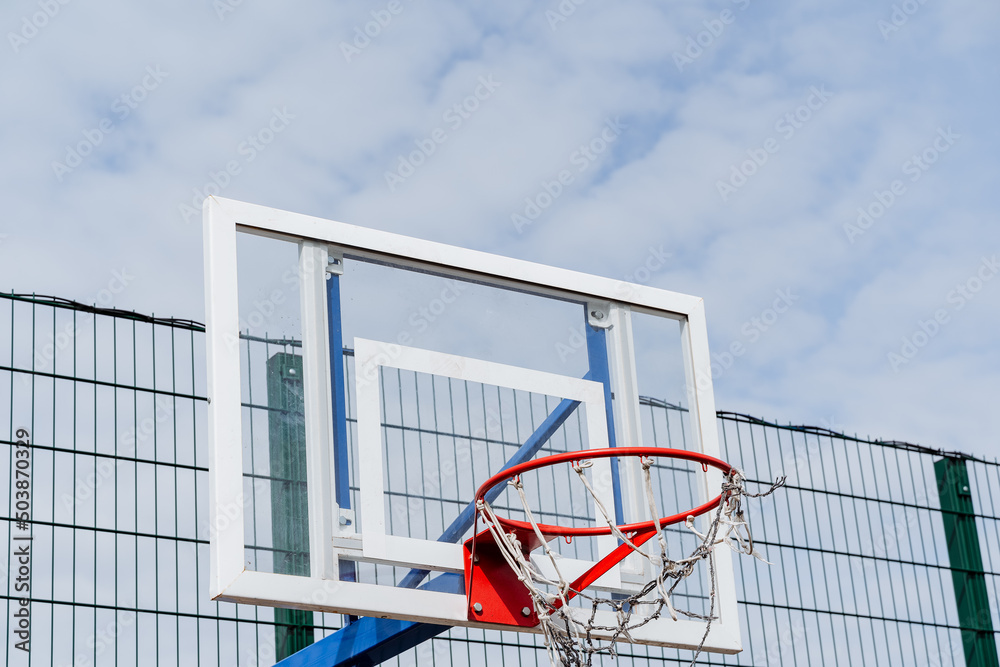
293, 629
967, 573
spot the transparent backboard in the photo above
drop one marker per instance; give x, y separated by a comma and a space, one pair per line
363, 384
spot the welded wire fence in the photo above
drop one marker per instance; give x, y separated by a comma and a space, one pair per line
883, 553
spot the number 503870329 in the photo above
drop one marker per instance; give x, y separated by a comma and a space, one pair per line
22, 476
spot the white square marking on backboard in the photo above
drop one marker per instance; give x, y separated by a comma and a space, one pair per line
369, 356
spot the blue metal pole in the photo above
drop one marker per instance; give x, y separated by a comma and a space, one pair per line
341, 460
597, 355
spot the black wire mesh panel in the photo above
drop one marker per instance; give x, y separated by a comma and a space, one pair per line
864, 563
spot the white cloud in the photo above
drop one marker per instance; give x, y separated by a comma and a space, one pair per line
657, 185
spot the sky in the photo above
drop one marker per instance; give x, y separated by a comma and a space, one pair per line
822, 174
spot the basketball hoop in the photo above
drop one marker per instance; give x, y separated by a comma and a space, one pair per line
504, 587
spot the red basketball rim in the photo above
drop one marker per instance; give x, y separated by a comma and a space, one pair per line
596, 531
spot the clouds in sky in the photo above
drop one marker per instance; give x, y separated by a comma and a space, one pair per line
742, 137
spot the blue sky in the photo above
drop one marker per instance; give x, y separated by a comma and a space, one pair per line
741, 138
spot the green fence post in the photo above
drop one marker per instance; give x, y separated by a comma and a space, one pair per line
967, 573
293, 628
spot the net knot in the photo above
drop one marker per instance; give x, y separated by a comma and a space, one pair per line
514, 542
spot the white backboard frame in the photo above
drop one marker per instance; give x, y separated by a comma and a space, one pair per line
322, 591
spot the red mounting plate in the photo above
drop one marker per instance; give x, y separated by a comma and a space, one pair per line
493, 585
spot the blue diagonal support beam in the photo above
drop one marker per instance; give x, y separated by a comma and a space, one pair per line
461, 525
370, 641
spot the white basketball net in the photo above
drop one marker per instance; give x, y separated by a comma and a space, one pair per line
571, 641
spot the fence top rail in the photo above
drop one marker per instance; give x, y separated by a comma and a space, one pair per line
742, 418
69, 304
